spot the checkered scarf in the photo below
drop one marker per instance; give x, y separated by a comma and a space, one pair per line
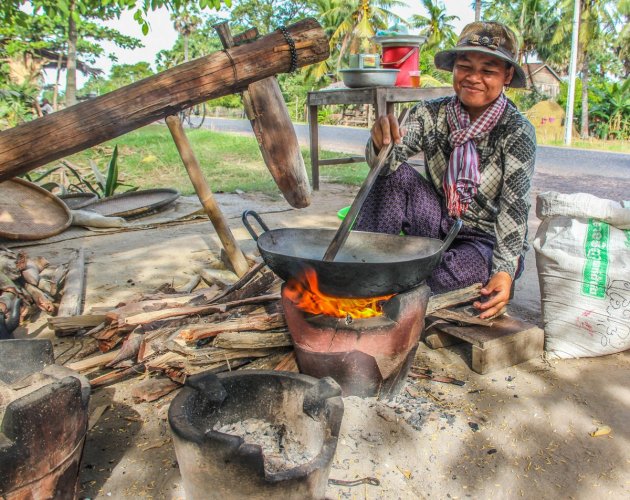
462, 175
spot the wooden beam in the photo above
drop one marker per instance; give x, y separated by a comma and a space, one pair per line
86, 124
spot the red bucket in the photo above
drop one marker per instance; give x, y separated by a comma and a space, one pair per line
405, 59
402, 53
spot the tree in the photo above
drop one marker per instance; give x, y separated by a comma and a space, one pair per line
76, 11
437, 26
598, 22
267, 15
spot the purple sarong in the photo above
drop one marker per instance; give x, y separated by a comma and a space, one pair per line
405, 201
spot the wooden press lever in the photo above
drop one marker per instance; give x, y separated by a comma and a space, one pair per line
344, 229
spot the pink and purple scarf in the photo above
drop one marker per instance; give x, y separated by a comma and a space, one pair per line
462, 176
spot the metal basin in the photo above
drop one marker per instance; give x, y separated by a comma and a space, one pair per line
369, 77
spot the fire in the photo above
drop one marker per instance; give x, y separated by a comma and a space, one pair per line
304, 292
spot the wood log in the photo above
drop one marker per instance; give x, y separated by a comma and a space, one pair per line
92, 362
72, 299
86, 124
153, 389
453, 298
209, 203
267, 362
460, 317
74, 323
288, 363
270, 120
259, 323
252, 340
145, 318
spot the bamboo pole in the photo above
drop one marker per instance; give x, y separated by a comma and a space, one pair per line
210, 205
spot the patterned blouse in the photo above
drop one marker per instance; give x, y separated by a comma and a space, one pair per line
506, 159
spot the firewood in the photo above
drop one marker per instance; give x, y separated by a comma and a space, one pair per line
259, 322
145, 318
267, 362
252, 340
460, 317
243, 280
288, 363
42, 299
153, 389
260, 284
191, 284
117, 375
217, 355
92, 362
129, 349
453, 298
71, 303
30, 274
74, 323
221, 277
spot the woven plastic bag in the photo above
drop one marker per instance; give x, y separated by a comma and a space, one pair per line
583, 259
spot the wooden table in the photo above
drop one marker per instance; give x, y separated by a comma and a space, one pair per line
382, 98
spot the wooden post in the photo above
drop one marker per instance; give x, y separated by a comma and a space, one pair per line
91, 122
273, 128
206, 197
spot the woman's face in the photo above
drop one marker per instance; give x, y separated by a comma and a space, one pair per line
478, 79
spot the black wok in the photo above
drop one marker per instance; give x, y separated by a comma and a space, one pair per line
368, 265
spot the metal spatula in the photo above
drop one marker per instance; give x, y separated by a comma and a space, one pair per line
344, 229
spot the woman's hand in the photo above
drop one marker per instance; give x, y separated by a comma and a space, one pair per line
384, 130
498, 292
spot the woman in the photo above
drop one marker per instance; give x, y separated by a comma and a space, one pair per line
479, 157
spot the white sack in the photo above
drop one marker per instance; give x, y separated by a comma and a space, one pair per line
584, 272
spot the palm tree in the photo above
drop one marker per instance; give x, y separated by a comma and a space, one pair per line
598, 22
437, 25
185, 23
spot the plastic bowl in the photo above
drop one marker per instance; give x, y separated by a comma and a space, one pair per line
369, 77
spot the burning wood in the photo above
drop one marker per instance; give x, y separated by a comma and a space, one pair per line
306, 295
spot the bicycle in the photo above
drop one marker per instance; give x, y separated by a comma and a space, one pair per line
194, 116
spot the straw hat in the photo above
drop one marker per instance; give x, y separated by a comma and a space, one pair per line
488, 38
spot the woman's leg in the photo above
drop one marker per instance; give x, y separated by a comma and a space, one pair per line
405, 201
401, 201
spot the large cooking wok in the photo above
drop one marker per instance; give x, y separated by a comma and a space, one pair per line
368, 265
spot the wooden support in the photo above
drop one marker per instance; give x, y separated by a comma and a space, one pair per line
72, 299
508, 342
54, 136
269, 116
206, 197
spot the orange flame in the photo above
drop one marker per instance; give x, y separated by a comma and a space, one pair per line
304, 292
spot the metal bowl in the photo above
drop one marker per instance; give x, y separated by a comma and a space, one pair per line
369, 77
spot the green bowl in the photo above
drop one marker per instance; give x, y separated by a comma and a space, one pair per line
344, 211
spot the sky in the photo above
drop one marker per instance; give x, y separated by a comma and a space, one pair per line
162, 35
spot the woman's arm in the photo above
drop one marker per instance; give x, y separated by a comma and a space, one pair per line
407, 142
519, 154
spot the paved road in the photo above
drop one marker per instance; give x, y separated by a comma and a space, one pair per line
550, 160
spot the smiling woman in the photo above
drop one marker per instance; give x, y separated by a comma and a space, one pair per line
479, 158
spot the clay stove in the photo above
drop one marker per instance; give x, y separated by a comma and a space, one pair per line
366, 356
43, 417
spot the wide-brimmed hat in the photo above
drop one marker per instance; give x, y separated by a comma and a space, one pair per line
488, 38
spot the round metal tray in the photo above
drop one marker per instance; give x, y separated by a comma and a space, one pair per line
134, 203
74, 201
29, 212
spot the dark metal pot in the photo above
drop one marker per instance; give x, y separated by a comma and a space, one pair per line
368, 265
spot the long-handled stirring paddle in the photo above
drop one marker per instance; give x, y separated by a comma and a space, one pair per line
344, 229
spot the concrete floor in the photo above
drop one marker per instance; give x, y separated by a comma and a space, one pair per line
521, 432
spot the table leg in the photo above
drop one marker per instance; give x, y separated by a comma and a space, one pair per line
314, 144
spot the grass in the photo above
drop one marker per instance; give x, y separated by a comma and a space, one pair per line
148, 158
598, 144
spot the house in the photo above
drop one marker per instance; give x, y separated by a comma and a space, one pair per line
543, 78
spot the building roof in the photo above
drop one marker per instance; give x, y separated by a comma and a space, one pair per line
532, 68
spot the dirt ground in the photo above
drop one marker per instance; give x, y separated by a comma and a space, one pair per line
521, 432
